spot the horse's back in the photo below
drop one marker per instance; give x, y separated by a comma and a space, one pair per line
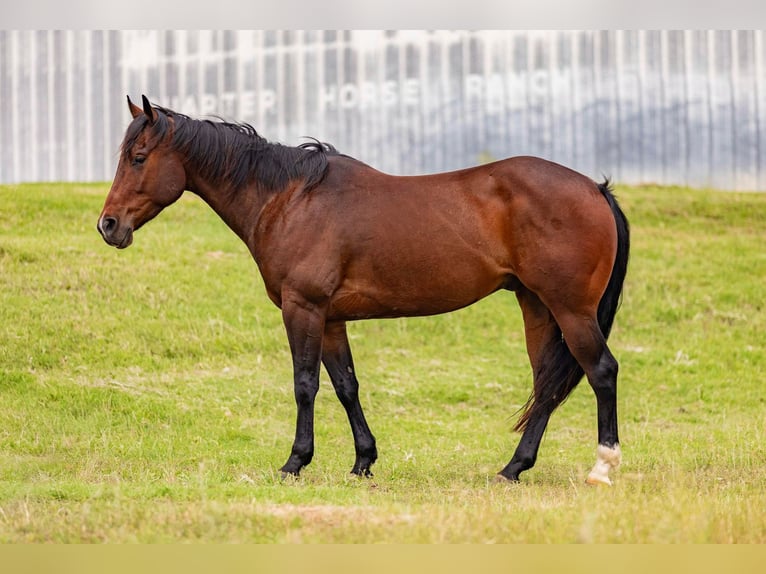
521, 178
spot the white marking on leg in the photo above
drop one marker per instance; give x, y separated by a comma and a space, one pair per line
607, 459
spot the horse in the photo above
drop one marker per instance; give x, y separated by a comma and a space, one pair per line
336, 240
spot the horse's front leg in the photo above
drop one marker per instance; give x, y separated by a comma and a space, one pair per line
305, 325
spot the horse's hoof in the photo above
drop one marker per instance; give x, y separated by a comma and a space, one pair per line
598, 480
502, 479
366, 473
608, 458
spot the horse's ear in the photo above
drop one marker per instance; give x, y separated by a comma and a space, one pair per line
135, 111
150, 112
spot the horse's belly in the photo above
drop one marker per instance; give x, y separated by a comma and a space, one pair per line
415, 291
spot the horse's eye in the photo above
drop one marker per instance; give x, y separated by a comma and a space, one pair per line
139, 159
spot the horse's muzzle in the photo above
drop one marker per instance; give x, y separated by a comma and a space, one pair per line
113, 233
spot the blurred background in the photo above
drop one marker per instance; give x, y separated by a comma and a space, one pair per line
667, 107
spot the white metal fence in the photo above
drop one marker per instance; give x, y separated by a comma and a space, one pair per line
669, 107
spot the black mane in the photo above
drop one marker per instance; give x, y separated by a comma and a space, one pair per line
234, 153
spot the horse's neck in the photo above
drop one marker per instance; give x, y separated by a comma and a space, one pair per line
238, 209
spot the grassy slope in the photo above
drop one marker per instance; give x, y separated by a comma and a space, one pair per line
145, 395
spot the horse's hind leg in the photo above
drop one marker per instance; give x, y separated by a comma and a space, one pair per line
336, 356
586, 342
541, 333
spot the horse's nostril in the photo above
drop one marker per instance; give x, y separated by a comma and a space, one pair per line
108, 224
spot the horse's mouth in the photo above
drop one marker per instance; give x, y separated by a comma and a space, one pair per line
126, 240
121, 242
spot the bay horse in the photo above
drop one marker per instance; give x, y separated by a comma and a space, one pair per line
336, 240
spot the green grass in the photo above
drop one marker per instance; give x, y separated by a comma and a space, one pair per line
146, 395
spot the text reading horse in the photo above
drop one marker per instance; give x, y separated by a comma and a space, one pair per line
336, 240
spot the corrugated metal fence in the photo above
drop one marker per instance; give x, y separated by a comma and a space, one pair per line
670, 107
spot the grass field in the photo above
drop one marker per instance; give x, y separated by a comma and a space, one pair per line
146, 395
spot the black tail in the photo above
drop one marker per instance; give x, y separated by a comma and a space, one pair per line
610, 301
559, 372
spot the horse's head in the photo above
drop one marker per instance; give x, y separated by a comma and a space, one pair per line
150, 176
